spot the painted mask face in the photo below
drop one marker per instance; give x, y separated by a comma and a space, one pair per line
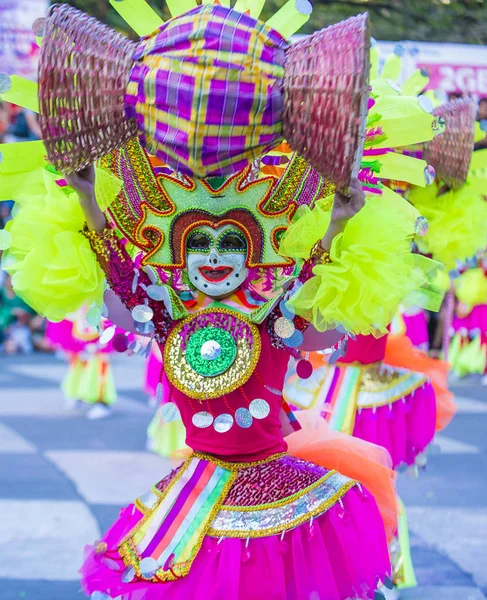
215, 259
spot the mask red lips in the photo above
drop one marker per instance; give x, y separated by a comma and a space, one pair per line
215, 274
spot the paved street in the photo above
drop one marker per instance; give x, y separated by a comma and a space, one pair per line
63, 480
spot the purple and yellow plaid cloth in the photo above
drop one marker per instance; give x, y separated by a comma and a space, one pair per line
205, 91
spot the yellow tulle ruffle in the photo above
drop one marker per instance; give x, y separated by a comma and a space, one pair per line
372, 269
456, 222
52, 266
471, 288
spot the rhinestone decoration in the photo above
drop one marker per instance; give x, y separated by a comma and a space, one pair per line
273, 390
100, 596
335, 356
304, 369
148, 567
5, 83
438, 125
107, 335
287, 310
135, 346
223, 423
128, 575
399, 50
304, 7
284, 328
109, 563
170, 412
38, 27
149, 271
243, 418
93, 316
393, 85
211, 351
142, 313
145, 328
159, 393
425, 103
197, 376
5, 239
295, 340
202, 419
259, 408
120, 342
156, 292
421, 226
429, 174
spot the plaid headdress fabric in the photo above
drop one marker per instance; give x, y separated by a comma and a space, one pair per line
205, 90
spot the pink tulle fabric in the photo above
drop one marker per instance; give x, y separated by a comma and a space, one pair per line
475, 322
340, 555
153, 372
417, 329
62, 336
405, 428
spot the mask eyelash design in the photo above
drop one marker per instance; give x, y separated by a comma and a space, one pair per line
239, 243
199, 241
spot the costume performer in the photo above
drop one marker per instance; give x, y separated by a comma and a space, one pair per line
89, 379
468, 349
229, 289
456, 211
163, 436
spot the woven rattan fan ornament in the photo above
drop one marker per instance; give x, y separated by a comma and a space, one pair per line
83, 71
450, 153
207, 92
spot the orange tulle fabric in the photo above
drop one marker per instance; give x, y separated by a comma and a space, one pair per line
401, 353
367, 463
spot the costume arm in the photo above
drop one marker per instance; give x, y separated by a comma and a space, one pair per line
128, 282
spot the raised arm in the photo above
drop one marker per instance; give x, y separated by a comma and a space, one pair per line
127, 281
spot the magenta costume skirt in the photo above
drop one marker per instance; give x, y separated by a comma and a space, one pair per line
417, 329
474, 324
286, 530
405, 427
389, 406
152, 375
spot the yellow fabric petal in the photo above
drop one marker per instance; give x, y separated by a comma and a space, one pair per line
456, 222
139, 15
415, 84
371, 272
288, 20
52, 266
400, 167
392, 67
403, 121
22, 93
471, 288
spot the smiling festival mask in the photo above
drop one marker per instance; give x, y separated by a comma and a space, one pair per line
215, 259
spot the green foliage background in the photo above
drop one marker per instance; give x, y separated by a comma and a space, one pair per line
461, 21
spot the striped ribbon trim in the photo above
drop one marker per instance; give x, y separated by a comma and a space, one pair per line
171, 533
342, 391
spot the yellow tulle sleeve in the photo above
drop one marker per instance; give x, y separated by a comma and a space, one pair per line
371, 272
471, 288
456, 223
52, 266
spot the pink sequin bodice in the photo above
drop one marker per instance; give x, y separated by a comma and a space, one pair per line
264, 437
366, 349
